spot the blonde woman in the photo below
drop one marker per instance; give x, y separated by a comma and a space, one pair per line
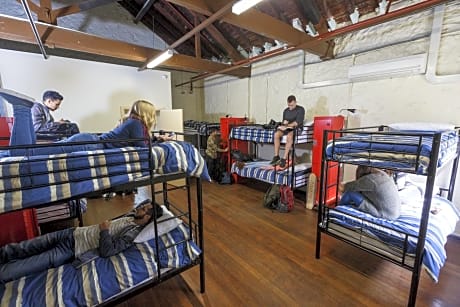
136, 125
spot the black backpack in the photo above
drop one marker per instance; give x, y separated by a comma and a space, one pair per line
272, 197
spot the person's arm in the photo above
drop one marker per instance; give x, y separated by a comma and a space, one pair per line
362, 184
111, 245
300, 117
38, 117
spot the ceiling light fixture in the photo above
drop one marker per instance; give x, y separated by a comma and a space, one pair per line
160, 59
243, 5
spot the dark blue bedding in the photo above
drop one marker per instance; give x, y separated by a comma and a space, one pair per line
31, 181
102, 278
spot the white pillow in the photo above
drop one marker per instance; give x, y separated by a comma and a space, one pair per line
148, 232
420, 126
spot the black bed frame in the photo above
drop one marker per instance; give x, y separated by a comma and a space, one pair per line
323, 209
195, 223
255, 152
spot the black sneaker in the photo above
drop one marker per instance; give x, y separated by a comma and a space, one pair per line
275, 160
283, 163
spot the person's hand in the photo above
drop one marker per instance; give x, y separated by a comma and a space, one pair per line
225, 149
282, 127
105, 225
341, 187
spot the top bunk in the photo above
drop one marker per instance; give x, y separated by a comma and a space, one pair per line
33, 181
263, 134
405, 149
200, 127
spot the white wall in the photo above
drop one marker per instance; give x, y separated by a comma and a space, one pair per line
408, 98
93, 92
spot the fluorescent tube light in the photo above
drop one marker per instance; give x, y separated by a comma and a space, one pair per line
243, 5
160, 59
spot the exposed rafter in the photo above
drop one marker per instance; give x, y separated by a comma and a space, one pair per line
257, 22
19, 30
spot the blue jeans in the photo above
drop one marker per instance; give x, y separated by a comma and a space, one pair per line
23, 134
351, 198
37, 254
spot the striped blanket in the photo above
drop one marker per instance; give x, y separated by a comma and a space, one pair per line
260, 135
103, 278
409, 152
441, 223
31, 181
261, 170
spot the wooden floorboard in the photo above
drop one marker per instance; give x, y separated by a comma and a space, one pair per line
255, 257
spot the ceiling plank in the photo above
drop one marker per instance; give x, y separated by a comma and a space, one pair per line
19, 30
80, 7
219, 37
257, 22
176, 16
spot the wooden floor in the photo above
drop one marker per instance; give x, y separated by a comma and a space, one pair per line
255, 257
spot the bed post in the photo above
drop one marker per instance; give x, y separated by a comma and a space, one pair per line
453, 177
294, 139
199, 196
321, 192
424, 219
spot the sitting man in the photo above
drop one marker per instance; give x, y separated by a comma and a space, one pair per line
373, 192
44, 122
56, 248
293, 117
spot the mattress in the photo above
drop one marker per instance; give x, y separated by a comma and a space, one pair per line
257, 133
441, 223
103, 278
405, 152
263, 171
31, 181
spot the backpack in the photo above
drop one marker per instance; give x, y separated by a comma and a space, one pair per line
226, 178
279, 198
286, 199
272, 197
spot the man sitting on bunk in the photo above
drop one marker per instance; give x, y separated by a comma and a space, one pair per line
373, 192
136, 125
293, 117
80, 243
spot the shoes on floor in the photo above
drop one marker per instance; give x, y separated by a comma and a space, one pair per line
275, 160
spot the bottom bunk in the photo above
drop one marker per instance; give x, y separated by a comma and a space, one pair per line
105, 280
396, 240
263, 171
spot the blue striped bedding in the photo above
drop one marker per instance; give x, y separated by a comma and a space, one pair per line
259, 170
31, 181
103, 278
441, 223
392, 150
260, 135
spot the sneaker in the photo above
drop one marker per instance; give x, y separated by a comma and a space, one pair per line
283, 163
275, 160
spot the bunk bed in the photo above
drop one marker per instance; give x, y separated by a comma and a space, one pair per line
417, 238
39, 181
296, 175
200, 128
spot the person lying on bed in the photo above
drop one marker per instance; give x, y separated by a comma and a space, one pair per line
136, 125
74, 244
373, 192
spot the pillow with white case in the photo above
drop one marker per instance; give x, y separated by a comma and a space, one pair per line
421, 126
164, 227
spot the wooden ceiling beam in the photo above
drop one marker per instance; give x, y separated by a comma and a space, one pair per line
173, 19
80, 7
18, 30
257, 22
